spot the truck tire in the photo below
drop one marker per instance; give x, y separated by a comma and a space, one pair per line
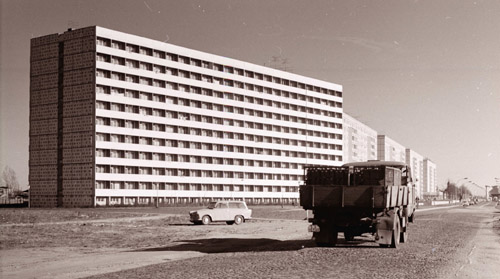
403, 237
411, 218
396, 233
326, 237
348, 236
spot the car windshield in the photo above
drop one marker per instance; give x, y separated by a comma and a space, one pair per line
212, 205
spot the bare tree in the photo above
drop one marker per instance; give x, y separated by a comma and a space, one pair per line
9, 178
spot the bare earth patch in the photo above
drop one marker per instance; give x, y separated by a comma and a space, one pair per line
74, 243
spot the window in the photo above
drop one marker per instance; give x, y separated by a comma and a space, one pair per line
103, 57
184, 59
132, 48
117, 76
118, 60
172, 57
103, 41
159, 54
103, 73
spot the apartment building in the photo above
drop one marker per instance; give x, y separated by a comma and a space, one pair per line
119, 119
360, 141
390, 150
416, 163
430, 178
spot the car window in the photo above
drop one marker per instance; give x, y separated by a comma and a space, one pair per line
236, 205
212, 205
222, 205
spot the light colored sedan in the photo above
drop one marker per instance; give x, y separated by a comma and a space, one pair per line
231, 212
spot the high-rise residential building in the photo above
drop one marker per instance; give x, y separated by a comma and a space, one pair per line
121, 119
360, 141
390, 150
430, 178
416, 163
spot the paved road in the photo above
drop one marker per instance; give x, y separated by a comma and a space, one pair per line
452, 242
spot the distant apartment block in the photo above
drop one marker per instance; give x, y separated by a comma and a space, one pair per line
416, 163
430, 177
360, 141
390, 150
121, 119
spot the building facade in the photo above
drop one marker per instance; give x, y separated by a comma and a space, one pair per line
416, 163
121, 119
430, 185
390, 150
360, 141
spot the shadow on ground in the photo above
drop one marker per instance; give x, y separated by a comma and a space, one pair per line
239, 245
234, 245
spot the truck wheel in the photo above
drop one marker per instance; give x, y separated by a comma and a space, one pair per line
403, 237
396, 234
326, 237
238, 219
348, 236
206, 220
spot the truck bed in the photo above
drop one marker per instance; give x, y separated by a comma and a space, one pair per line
363, 196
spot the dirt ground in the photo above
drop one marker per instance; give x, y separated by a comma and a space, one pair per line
75, 243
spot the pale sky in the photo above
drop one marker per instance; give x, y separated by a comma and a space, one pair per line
424, 73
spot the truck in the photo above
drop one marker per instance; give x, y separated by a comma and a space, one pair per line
376, 197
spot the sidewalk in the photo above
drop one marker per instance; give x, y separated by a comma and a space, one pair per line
484, 255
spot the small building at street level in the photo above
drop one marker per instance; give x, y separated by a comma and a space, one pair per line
119, 119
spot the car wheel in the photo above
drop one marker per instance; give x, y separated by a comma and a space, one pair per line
238, 219
206, 220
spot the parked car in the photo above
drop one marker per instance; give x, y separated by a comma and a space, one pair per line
465, 203
231, 212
